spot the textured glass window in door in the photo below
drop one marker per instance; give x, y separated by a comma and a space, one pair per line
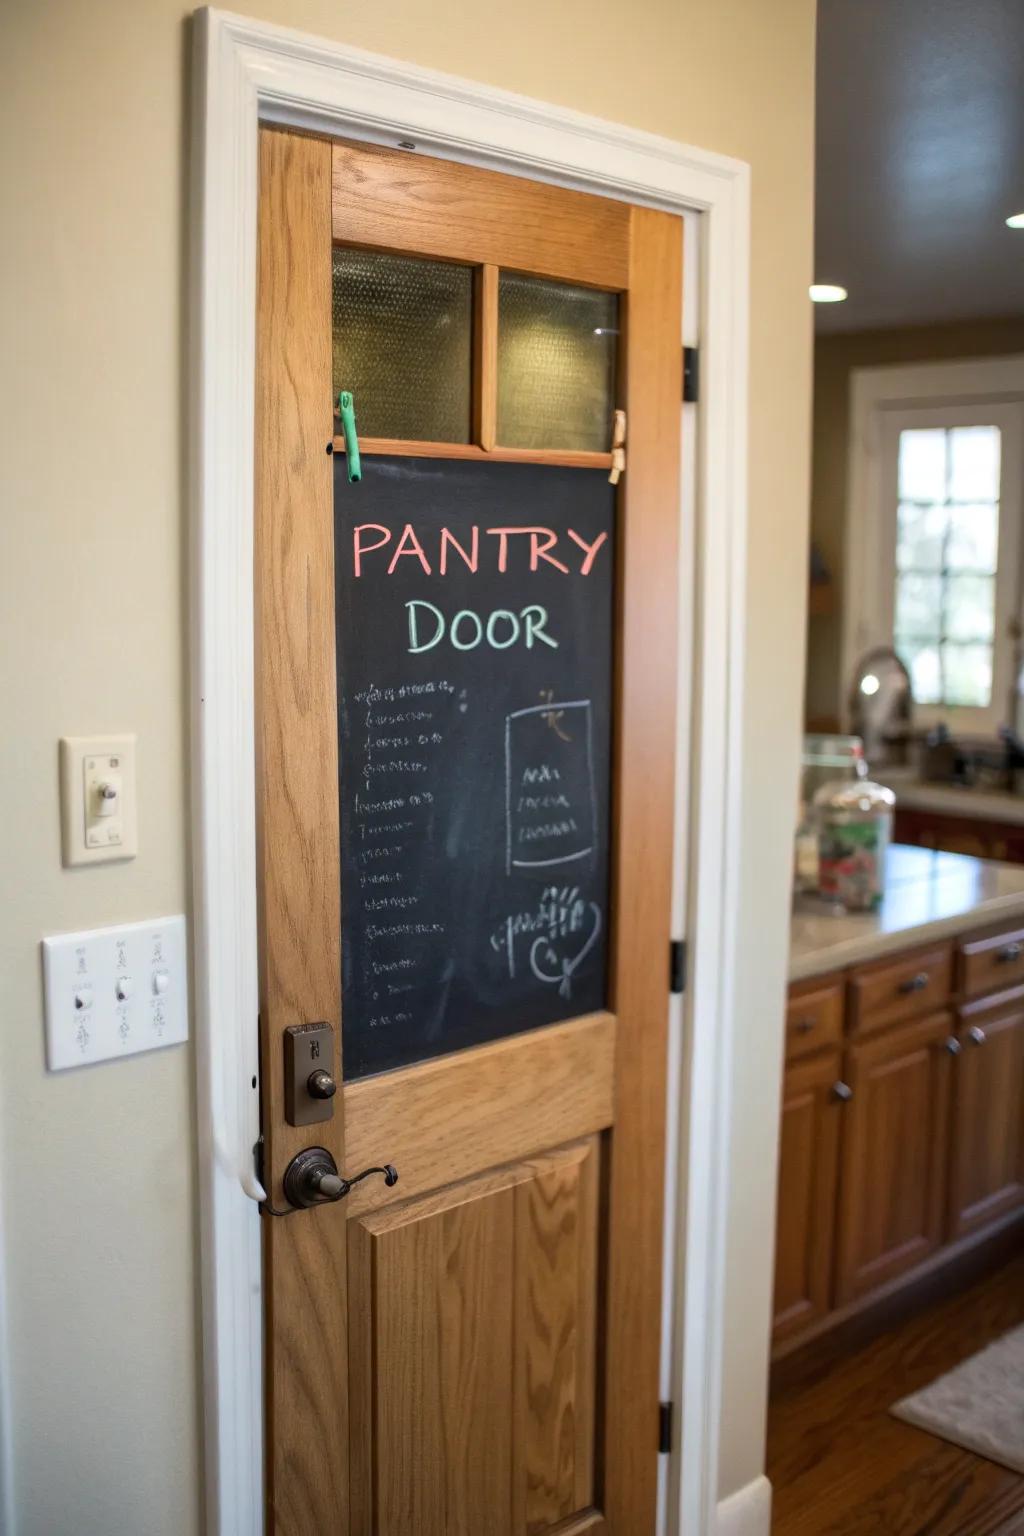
556, 364
402, 336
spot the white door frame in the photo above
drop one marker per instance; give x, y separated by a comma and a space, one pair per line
249, 71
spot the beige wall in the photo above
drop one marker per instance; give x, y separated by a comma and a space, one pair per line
101, 1254
834, 359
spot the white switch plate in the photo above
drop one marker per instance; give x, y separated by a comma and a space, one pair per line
115, 991
87, 835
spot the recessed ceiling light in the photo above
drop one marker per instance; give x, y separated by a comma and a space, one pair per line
826, 293
1016, 221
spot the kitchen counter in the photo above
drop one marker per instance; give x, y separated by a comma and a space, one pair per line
928, 895
952, 799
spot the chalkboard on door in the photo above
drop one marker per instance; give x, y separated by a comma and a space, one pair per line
474, 607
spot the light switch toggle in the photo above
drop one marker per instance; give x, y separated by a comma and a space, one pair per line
108, 797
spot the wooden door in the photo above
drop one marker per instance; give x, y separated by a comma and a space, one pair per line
894, 1154
987, 1158
475, 1349
808, 1166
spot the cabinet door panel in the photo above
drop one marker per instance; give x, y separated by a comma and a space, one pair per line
805, 1224
894, 1158
987, 1171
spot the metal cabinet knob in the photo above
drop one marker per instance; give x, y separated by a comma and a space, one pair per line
976, 1035
842, 1091
1009, 952
321, 1085
953, 1045
915, 983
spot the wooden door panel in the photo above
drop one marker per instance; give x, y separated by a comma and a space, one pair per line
475, 1309
524, 1093
987, 1173
894, 1158
475, 1350
298, 838
808, 1161
401, 202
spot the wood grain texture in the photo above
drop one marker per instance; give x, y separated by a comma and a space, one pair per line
555, 1302
808, 1165
573, 458
398, 201
840, 1465
447, 1119
814, 1016
503, 1316
894, 1155
990, 961
644, 762
485, 358
472, 1317
986, 1177
886, 991
297, 809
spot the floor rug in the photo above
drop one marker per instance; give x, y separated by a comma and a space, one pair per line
979, 1405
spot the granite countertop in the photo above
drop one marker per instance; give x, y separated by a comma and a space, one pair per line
952, 799
928, 895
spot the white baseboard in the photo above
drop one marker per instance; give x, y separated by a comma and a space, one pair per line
747, 1512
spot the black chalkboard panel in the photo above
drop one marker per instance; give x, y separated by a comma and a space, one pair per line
474, 632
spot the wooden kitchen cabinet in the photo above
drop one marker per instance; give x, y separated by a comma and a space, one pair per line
987, 1158
808, 1159
892, 1187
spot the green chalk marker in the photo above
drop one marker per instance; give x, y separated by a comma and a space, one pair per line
347, 412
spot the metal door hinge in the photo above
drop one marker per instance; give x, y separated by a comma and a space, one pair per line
665, 1428
677, 965
691, 375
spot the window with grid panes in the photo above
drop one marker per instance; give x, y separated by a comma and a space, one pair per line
947, 546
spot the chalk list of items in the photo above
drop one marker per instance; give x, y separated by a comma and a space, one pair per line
474, 634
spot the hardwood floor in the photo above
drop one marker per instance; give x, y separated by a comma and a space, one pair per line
839, 1463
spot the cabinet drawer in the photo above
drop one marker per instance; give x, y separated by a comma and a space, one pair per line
890, 990
990, 961
814, 1016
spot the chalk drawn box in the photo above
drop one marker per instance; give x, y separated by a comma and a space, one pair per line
550, 796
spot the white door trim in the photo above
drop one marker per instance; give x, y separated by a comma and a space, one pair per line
246, 71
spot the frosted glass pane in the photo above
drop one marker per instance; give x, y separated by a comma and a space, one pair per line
920, 537
967, 672
922, 662
973, 538
923, 464
970, 607
403, 332
556, 364
974, 463
919, 606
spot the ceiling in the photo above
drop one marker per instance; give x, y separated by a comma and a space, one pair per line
920, 158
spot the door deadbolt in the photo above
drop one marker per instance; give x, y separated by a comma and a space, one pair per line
309, 1080
312, 1178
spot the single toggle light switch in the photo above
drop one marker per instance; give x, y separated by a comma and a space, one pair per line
97, 782
108, 796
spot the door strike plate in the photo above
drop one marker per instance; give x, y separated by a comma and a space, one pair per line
309, 1082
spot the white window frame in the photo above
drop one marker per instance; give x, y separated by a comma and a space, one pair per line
883, 402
